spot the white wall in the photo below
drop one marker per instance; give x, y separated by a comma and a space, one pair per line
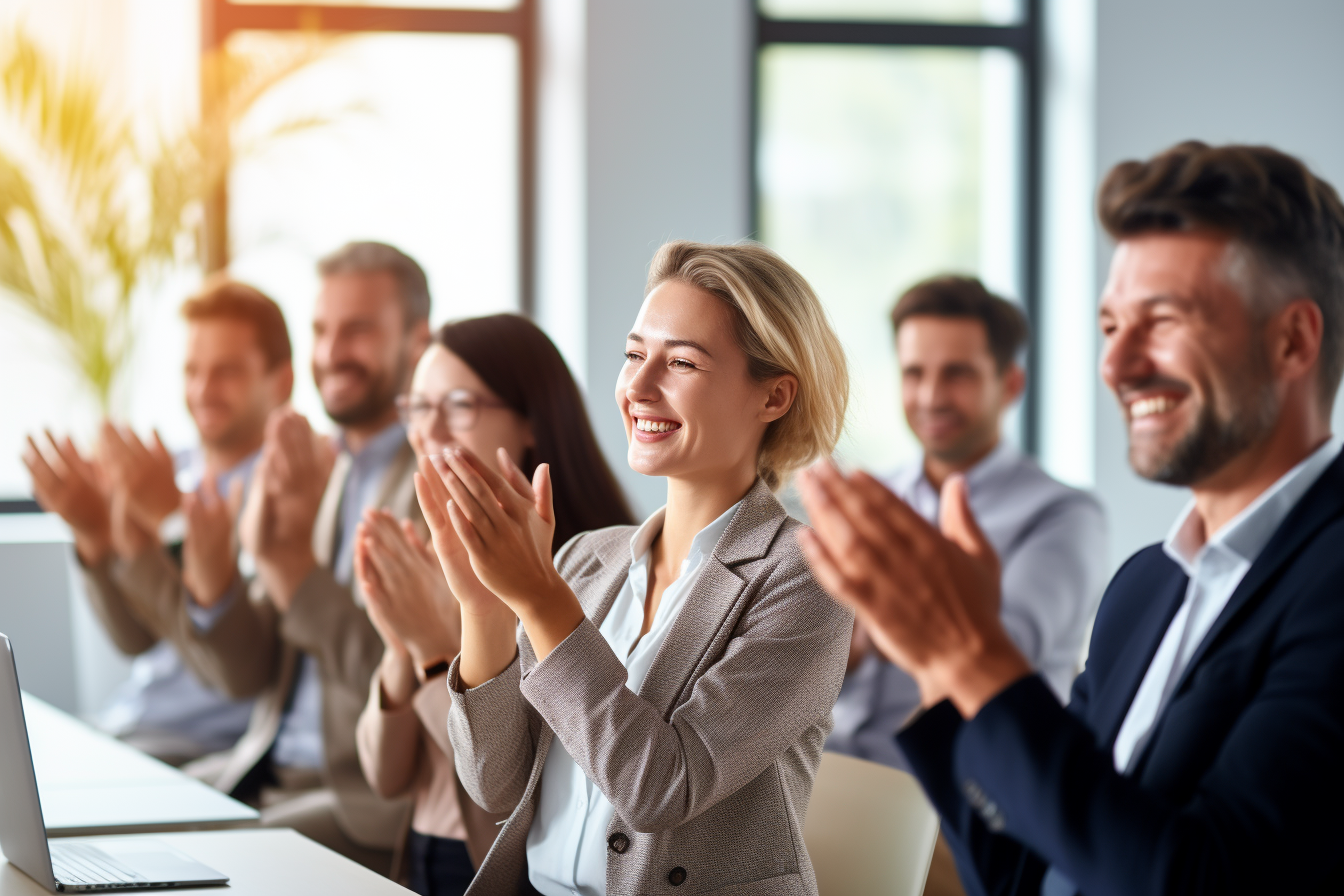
1219, 71
667, 123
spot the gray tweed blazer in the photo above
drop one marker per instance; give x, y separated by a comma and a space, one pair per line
710, 765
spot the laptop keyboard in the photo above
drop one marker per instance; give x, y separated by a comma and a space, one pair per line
81, 865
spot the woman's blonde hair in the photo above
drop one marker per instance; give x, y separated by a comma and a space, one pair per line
782, 328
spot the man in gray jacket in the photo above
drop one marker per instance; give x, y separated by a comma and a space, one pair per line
958, 346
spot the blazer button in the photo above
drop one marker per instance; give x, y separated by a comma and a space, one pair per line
677, 876
618, 842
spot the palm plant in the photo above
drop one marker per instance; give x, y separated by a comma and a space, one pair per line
88, 214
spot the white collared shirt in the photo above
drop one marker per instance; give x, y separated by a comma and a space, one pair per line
1215, 565
567, 843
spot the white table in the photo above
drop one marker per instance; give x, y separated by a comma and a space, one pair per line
94, 784
268, 862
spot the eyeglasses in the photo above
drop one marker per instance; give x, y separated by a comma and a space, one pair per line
460, 409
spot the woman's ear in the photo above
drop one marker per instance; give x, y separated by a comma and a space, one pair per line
782, 391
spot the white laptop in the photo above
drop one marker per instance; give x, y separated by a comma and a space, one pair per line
65, 866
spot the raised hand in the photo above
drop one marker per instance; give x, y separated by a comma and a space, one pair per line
405, 590
65, 483
452, 556
928, 599
281, 510
209, 552
371, 584
129, 536
143, 474
505, 524
506, 527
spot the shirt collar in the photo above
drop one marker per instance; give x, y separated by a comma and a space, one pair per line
241, 470
641, 542
1247, 533
1001, 457
190, 470
380, 449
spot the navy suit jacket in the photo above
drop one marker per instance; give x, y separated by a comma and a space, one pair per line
1240, 789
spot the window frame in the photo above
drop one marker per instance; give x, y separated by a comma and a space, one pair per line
1026, 41
221, 18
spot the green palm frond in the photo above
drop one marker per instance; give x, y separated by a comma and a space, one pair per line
87, 215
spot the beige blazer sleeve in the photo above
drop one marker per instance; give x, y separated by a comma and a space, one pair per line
325, 622
390, 747
778, 675
114, 610
238, 655
433, 703
710, 765
494, 734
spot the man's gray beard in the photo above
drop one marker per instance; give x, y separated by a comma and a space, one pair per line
1214, 441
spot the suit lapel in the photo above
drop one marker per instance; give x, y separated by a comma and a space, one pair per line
1318, 507
329, 511
1167, 585
396, 491
713, 598
608, 569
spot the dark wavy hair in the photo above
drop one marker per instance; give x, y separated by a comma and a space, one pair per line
522, 366
966, 297
1289, 221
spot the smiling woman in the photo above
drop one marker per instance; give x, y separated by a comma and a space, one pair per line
674, 680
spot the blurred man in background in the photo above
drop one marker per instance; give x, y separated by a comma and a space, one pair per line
298, 637
141, 500
958, 346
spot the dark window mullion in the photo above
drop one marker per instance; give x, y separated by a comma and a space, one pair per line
895, 34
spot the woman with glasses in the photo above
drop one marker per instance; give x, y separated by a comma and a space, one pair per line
657, 719
496, 386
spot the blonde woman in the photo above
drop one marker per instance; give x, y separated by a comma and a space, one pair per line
659, 715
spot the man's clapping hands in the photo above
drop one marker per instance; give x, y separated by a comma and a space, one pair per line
282, 504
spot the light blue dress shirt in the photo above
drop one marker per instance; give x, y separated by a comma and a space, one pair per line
298, 744
567, 843
160, 697
1051, 542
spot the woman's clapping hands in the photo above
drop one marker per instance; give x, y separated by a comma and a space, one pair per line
499, 532
505, 524
408, 599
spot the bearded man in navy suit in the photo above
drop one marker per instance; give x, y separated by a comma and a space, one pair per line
1202, 749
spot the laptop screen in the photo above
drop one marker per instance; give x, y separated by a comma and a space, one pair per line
23, 835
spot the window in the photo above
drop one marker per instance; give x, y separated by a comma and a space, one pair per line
426, 146
427, 143
889, 149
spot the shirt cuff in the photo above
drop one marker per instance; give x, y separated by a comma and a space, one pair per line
206, 618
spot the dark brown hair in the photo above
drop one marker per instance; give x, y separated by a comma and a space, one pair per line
380, 258
522, 366
966, 297
1290, 222
225, 299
